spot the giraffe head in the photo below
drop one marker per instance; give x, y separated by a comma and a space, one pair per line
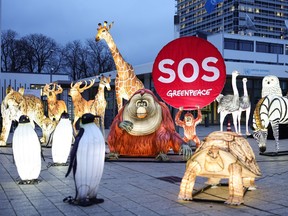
103, 31
105, 81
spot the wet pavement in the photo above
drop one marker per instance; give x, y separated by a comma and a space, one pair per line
141, 187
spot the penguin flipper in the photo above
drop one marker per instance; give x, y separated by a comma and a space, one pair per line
50, 139
74, 150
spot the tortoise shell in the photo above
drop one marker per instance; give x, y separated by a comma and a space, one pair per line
220, 149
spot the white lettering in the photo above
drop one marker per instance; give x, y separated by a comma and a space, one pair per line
167, 71
189, 93
195, 73
208, 68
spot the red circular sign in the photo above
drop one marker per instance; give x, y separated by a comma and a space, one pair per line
189, 72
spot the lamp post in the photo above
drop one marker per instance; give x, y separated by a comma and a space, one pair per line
51, 72
51, 69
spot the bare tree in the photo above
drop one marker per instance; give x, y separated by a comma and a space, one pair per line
101, 59
39, 50
13, 57
74, 59
40, 54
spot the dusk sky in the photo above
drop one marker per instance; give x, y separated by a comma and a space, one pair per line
141, 27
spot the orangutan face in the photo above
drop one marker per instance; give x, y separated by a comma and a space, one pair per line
144, 112
142, 106
189, 119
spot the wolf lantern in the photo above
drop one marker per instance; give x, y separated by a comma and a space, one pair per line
143, 127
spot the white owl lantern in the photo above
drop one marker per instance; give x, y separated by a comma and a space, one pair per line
271, 86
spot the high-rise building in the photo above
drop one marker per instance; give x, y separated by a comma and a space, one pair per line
252, 36
263, 18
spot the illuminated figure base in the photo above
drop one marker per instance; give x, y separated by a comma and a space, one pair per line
279, 153
57, 164
29, 182
84, 202
213, 193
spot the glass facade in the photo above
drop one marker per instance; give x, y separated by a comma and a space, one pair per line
231, 16
260, 18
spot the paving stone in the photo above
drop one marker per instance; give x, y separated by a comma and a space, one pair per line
139, 188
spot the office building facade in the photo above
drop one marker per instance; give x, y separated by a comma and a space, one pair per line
262, 18
252, 36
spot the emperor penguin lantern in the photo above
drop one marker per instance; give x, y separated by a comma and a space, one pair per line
62, 140
87, 160
27, 151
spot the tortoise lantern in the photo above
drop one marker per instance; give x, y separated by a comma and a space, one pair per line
222, 155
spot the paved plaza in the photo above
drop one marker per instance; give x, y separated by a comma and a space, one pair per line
141, 187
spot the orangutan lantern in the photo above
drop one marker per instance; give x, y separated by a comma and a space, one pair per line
222, 155
189, 125
144, 127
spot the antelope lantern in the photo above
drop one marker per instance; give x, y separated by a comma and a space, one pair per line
55, 107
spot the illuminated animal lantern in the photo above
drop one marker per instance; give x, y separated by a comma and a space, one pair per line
222, 155
87, 161
48, 126
189, 125
26, 151
14, 105
99, 105
81, 105
55, 107
271, 86
126, 82
144, 127
62, 140
273, 110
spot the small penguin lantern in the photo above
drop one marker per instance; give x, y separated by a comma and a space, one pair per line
27, 151
87, 160
62, 140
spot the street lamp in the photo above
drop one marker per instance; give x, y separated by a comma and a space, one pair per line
51, 71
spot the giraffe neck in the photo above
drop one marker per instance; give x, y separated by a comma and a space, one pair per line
122, 66
120, 63
100, 94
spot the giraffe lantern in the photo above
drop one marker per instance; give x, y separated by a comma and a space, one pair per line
126, 82
100, 102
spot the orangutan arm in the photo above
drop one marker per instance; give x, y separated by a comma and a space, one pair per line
177, 118
199, 117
